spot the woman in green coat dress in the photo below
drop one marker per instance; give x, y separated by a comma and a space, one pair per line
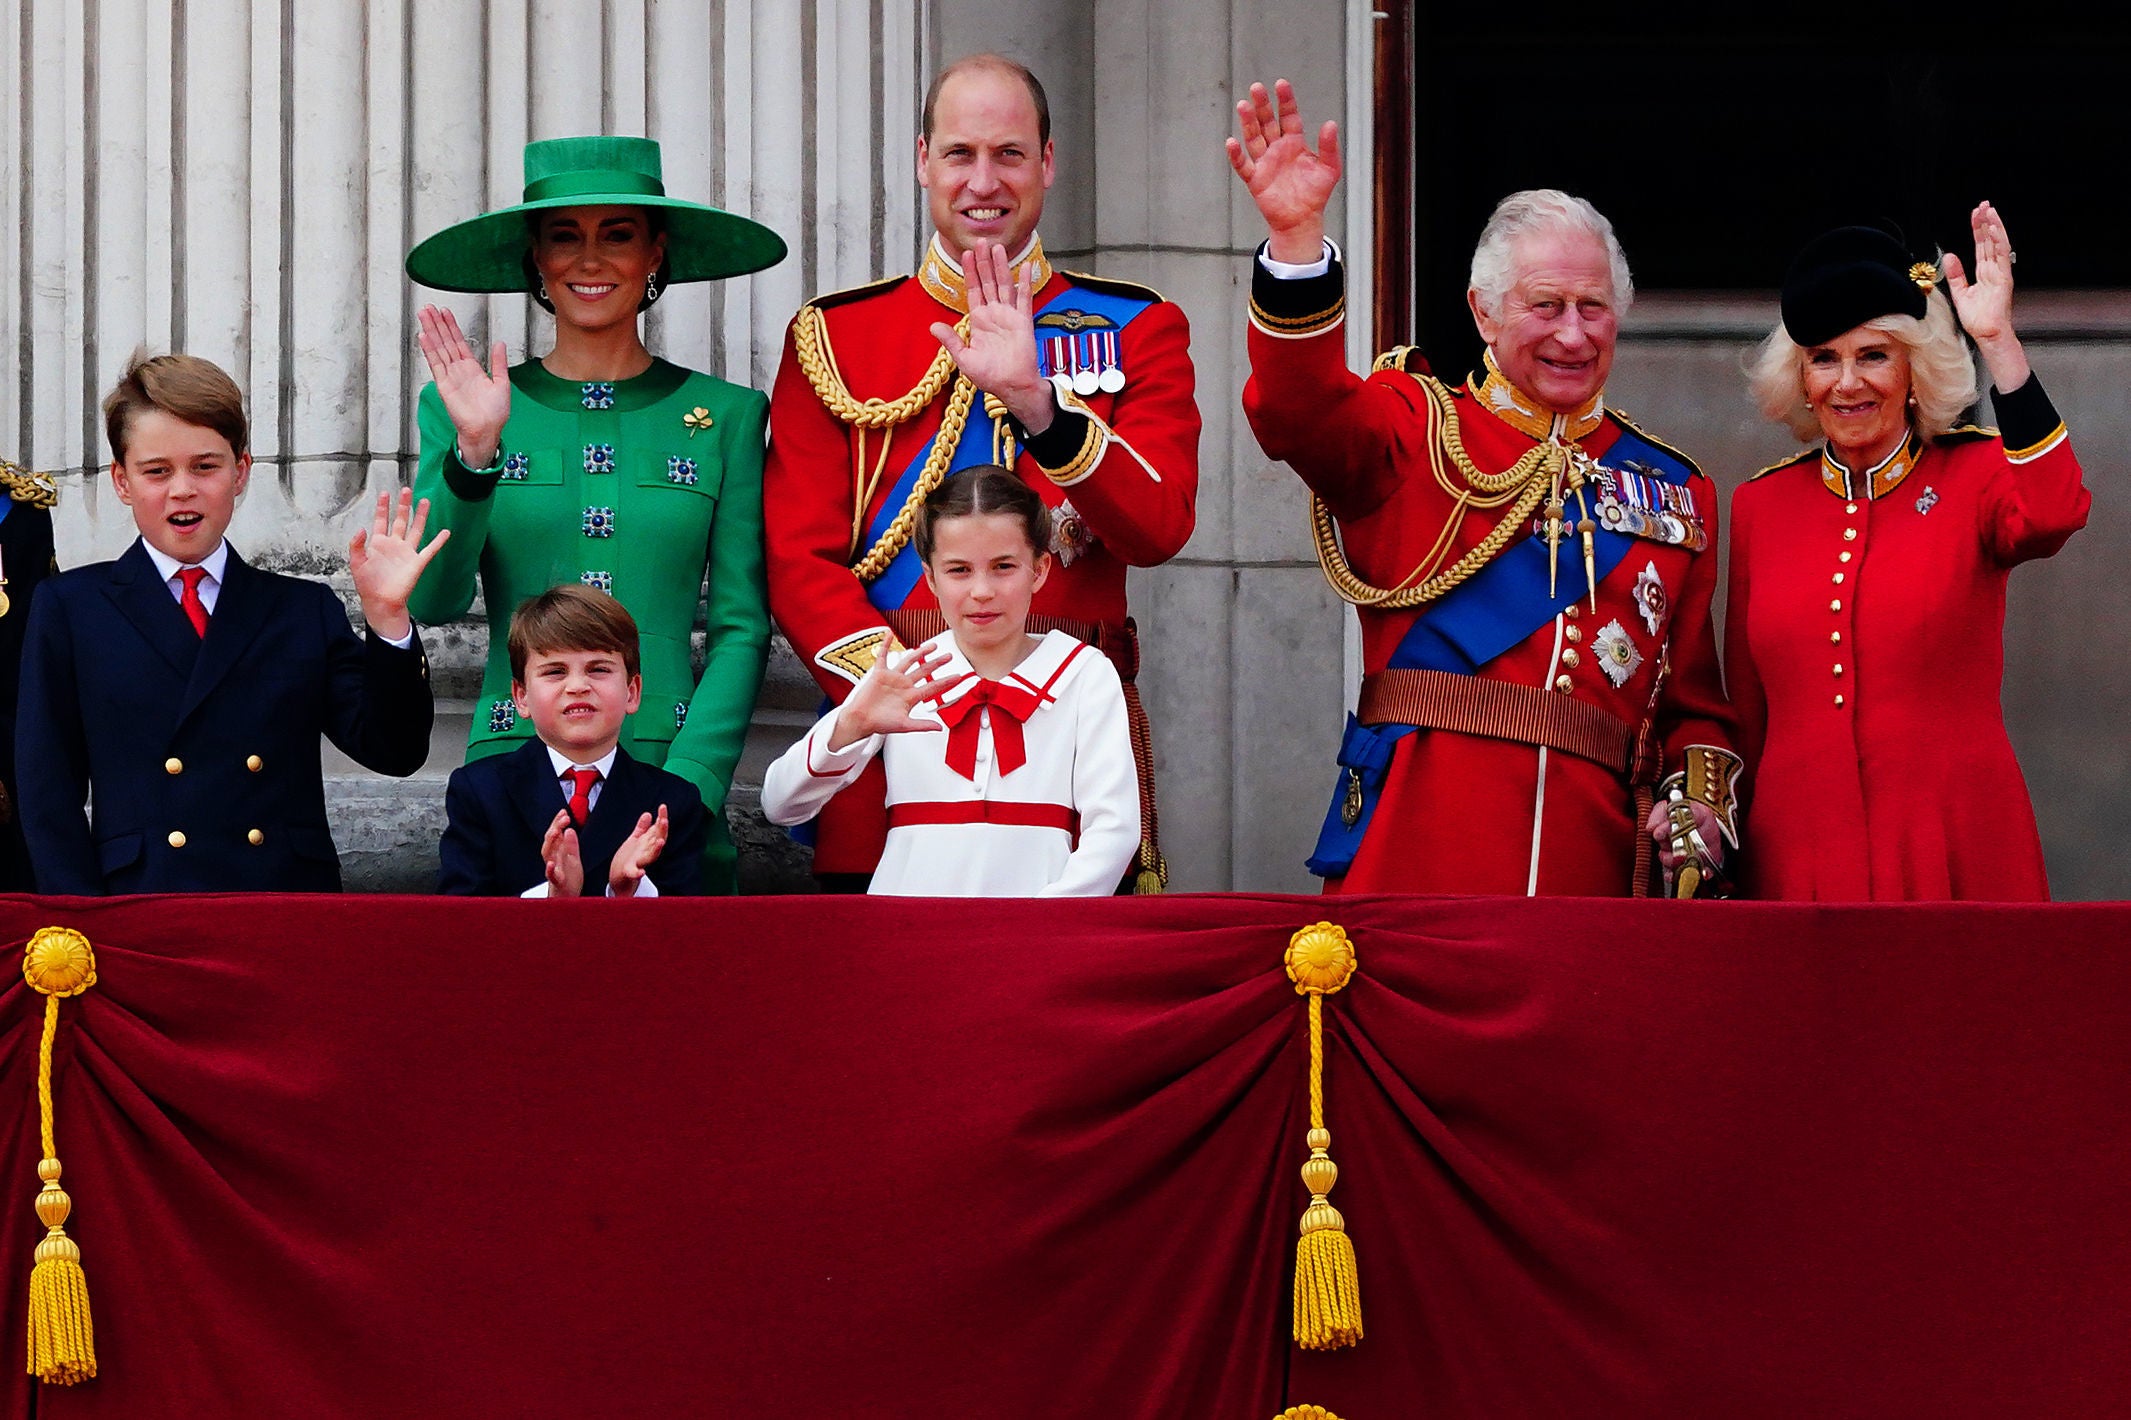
601, 463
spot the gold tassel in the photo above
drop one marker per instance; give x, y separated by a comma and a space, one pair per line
1153, 877
1321, 960
62, 1344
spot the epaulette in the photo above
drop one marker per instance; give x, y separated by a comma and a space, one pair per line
857, 293
1779, 465
36, 489
1130, 290
1641, 433
1400, 358
1967, 433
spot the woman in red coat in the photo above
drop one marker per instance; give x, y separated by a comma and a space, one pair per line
1866, 622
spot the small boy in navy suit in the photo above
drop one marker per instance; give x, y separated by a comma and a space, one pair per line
180, 692
528, 822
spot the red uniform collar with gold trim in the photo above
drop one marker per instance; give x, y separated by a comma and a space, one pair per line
1526, 415
941, 274
1877, 481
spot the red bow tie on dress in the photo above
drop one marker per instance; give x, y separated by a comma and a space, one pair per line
1011, 704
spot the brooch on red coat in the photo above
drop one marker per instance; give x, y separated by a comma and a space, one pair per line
1617, 655
1650, 597
1070, 534
1929, 501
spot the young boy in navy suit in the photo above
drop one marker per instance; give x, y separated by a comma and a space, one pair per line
181, 692
529, 822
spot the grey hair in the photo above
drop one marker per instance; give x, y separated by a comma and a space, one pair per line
1941, 375
1535, 210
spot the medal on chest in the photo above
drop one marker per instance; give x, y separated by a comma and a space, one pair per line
1079, 351
1632, 499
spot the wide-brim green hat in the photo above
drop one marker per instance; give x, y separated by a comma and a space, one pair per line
488, 252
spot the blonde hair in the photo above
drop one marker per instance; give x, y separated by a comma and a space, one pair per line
1941, 376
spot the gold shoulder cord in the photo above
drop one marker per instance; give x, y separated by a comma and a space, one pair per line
1524, 485
810, 341
36, 489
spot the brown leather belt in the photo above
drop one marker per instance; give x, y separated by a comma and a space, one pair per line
1469, 705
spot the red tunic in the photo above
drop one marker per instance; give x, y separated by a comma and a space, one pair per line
1868, 689
1465, 813
1124, 465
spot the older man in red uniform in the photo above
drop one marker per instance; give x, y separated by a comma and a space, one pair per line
986, 355
1533, 574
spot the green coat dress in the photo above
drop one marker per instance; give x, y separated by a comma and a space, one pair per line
640, 488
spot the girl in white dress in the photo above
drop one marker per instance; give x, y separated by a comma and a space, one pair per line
1008, 755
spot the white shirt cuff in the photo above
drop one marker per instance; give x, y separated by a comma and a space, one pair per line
399, 643
1298, 270
644, 888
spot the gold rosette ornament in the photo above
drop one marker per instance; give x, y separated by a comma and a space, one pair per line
57, 963
1320, 960
1305, 1412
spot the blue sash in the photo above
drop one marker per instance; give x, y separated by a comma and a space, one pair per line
1496, 609
892, 588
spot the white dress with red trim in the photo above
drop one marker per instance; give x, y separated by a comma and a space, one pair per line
1030, 791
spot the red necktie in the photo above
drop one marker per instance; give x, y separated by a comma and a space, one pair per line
195, 609
581, 796
1011, 704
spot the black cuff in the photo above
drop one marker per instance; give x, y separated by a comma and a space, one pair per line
1297, 305
2026, 418
471, 484
1057, 445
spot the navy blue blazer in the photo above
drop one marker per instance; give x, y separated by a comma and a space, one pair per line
199, 757
498, 810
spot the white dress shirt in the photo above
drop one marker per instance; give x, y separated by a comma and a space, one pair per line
215, 564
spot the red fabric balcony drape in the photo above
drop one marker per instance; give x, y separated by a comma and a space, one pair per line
839, 1157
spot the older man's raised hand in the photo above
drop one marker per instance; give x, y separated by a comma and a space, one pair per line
1291, 185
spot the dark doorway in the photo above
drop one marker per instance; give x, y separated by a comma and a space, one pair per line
1718, 139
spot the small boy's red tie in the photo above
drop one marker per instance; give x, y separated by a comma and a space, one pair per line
195, 609
581, 795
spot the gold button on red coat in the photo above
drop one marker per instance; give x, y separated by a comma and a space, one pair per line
1575, 633
1570, 659
1838, 579
1849, 534
1564, 684
1838, 702
1838, 668
1835, 605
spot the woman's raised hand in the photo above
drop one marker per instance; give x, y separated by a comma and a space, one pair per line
1985, 302
897, 684
478, 400
1291, 185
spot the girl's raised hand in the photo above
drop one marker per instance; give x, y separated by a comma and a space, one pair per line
882, 703
478, 400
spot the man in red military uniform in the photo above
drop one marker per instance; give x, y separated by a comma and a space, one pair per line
1083, 386
1533, 574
